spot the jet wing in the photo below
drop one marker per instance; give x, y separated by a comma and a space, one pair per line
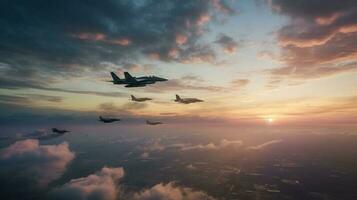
135, 85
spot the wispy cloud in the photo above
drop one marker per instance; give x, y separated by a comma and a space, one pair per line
211, 146
264, 145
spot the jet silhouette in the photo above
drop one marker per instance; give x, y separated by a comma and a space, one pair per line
153, 123
108, 120
130, 81
59, 131
133, 98
187, 100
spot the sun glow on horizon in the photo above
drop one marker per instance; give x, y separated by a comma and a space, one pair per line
270, 120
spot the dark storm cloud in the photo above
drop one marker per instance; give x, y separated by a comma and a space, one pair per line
319, 39
45, 37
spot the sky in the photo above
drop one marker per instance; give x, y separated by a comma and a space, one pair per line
252, 62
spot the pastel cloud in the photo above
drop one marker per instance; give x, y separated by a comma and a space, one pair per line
170, 191
44, 162
102, 37
240, 83
100, 185
319, 39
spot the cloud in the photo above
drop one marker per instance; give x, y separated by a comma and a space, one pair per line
170, 191
239, 83
264, 145
211, 146
183, 84
125, 109
155, 146
41, 97
10, 99
145, 155
191, 167
39, 134
66, 38
100, 185
44, 163
27, 99
16, 84
228, 44
319, 39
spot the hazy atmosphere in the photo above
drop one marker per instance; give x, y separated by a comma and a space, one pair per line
178, 99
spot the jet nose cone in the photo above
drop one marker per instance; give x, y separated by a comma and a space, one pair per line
163, 79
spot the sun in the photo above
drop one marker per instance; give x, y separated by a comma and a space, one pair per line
270, 120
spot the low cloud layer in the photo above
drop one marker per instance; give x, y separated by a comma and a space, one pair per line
264, 145
44, 163
211, 146
170, 191
103, 185
100, 185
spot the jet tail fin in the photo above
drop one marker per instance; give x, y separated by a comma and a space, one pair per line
115, 77
178, 97
128, 77
133, 97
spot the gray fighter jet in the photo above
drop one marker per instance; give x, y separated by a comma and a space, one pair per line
108, 120
153, 123
187, 100
131, 81
133, 98
59, 131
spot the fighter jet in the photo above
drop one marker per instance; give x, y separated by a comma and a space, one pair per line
152, 122
108, 120
133, 98
131, 81
187, 100
59, 131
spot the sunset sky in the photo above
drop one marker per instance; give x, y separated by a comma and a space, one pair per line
253, 62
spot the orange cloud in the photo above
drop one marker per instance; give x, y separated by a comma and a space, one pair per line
90, 36
102, 37
203, 19
181, 39
121, 41
154, 56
